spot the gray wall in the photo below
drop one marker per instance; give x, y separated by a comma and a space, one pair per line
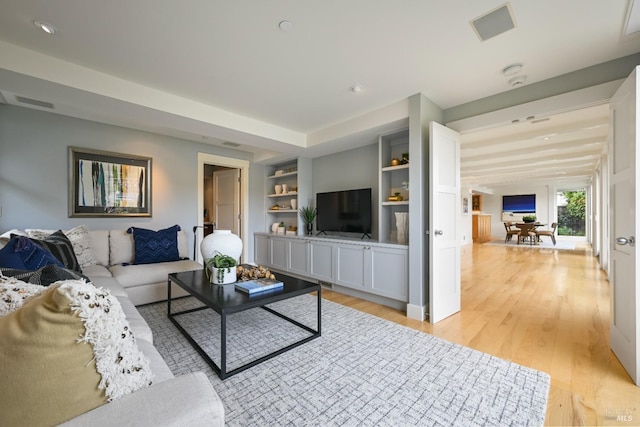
34, 172
349, 170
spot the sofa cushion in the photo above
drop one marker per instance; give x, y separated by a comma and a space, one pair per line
143, 274
79, 238
23, 254
100, 246
60, 246
155, 246
65, 352
121, 247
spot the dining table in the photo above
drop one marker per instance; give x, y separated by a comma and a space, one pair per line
526, 228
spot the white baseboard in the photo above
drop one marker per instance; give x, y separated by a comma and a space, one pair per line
417, 312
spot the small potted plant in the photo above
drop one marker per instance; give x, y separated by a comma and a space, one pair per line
529, 218
221, 269
308, 215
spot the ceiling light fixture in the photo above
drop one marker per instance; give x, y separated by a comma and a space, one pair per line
511, 70
356, 88
47, 28
285, 25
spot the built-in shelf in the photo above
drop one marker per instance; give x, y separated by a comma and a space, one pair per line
282, 175
402, 203
290, 193
395, 168
275, 211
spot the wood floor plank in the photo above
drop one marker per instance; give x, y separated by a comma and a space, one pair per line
546, 309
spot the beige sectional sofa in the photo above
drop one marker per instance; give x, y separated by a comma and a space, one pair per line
144, 283
169, 401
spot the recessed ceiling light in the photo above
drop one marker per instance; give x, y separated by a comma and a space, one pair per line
47, 28
285, 25
356, 88
511, 70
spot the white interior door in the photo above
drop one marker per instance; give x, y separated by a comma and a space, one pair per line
226, 200
444, 222
625, 331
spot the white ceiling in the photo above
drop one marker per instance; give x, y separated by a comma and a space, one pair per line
219, 62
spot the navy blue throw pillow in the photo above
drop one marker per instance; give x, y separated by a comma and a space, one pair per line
155, 246
21, 253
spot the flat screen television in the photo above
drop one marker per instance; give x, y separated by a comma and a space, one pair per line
521, 203
345, 211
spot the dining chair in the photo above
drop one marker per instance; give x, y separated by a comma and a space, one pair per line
526, 232
510, 231
551, 233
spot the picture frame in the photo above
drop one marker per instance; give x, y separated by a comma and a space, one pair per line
465, 205
108, 184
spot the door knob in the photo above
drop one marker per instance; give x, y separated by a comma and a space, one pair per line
438, 232
623, 241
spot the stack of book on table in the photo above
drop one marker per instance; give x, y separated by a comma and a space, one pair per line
258, 285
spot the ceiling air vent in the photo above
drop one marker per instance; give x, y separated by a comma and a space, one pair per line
494, 23
231, 144
35, 102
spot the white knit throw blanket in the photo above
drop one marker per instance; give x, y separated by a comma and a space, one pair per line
122, 366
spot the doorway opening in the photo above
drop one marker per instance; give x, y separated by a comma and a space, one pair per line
227, 208
221, 199
572, 210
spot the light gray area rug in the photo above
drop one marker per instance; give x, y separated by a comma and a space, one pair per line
362, 371
546, 243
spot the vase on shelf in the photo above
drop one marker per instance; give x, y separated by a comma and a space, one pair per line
402, 226
309, 228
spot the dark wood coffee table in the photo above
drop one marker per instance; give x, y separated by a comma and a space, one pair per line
197, 284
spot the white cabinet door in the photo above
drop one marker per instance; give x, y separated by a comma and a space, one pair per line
278, 253
262, 248
350, 264
388, 270
321, 260
298, 251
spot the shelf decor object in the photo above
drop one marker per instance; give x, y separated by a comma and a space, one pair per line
308, 215
221, 242
402, 226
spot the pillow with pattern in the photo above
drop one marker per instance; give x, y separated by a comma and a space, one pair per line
60, 246
79, 353
155, 246
21, 253
14, 293
79, 238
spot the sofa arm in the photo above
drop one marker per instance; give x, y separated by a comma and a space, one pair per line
188, 400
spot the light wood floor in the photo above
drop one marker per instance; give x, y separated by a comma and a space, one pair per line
545, 309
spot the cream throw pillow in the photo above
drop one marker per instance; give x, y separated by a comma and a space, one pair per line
65, 352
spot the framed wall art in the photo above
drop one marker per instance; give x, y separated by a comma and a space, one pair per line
106, 184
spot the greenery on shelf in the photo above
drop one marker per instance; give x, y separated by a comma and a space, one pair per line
308, 214
222, 262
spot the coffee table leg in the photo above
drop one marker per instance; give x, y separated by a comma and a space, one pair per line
223, 346
169, 297
319, 311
